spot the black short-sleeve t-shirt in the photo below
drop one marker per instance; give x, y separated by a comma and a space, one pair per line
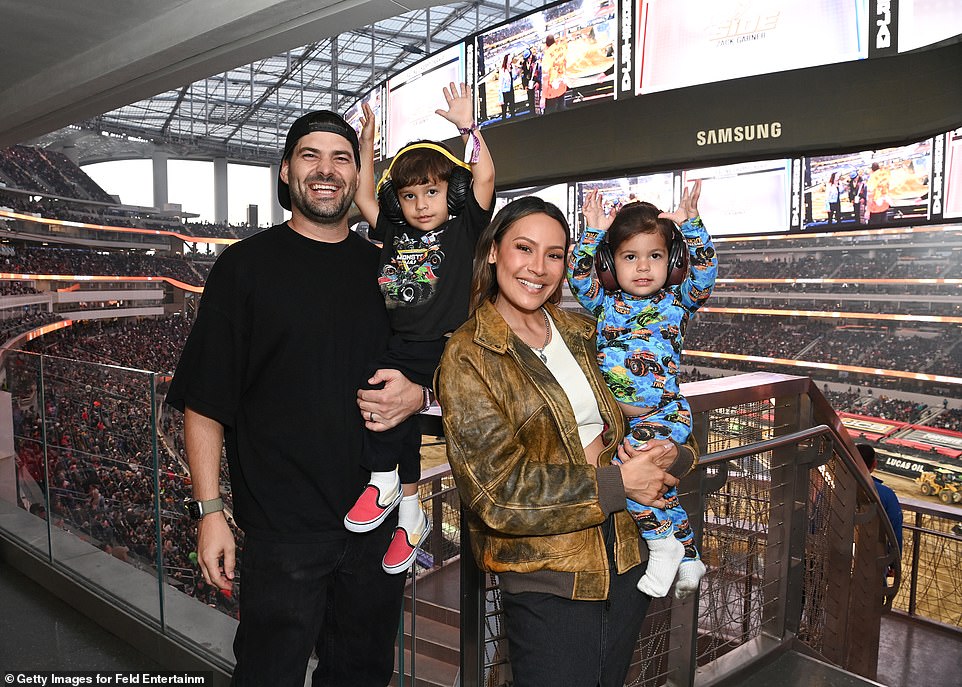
426, 276
286, 330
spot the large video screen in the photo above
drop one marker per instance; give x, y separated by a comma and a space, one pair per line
415, 94
924, 22
559, 57
742, 199
652, 188
554, 193
703, 41
353, 117
952, 206
896, 185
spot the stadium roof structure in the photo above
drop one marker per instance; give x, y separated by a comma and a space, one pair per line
243, 112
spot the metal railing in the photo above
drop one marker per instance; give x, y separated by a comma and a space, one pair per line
791, 532
931, 555
796, 543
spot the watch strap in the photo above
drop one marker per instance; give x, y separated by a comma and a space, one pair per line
202, 508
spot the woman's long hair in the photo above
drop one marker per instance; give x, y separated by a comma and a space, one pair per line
484, 284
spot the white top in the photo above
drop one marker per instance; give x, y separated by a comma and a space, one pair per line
562, 364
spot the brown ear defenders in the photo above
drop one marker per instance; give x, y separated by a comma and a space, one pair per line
677, 263
459, 185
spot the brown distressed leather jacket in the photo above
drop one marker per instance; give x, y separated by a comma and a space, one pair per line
535, 506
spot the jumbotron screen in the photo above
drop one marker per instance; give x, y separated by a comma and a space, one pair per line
415, 94
703, 41
555, 193
652, 188
743, 199
924, 22
896, 186
353, 117
953, 174
559, 57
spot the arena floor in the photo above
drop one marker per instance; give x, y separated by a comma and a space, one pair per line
433, 454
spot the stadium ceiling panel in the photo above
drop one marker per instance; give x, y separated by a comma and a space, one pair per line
243, 113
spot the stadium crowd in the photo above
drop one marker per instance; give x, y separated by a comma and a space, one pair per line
37, 169
76, 261
99, 434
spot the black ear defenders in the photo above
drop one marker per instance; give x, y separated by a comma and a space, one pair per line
459, 185
677, 263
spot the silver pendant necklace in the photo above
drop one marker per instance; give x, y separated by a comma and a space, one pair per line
547, 338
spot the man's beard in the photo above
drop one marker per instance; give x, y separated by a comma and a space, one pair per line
323, 211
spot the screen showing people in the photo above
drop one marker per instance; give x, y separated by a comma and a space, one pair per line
654, 188
374, 99
559, 57
886, 186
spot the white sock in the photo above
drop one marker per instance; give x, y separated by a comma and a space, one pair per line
387, 483
409, 513
664, 555
690, 573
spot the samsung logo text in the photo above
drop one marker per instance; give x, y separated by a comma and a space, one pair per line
737, 134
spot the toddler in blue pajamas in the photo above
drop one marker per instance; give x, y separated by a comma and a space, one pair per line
641, 328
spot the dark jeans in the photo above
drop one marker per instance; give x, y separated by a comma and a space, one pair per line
332, 597
554, 104
400, 446
556, 641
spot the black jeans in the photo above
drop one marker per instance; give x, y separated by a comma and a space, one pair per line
400, 446
332, 597
556, 641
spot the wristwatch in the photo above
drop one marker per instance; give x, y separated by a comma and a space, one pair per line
198, 509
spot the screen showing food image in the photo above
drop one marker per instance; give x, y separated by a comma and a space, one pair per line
703, 41
353, 117
890, 185
414, 95
743, 199
559, 57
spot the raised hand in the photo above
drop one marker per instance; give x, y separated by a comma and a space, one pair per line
688, 207
367, 124
593, 210
460, 110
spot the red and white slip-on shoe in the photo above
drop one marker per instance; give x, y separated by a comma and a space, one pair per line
371, 508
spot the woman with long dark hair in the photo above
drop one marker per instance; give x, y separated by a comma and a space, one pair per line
531, 429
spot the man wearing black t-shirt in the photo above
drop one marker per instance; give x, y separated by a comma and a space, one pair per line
288, 324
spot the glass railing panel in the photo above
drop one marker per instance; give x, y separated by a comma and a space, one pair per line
98, 427
24, 499
195, 611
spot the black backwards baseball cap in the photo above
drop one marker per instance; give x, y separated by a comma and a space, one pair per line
320, 120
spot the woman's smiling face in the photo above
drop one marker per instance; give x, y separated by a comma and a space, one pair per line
529, 263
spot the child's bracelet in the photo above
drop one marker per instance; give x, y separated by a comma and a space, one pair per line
472, 150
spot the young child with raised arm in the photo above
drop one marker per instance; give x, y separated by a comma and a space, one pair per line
428, 211
642, 314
